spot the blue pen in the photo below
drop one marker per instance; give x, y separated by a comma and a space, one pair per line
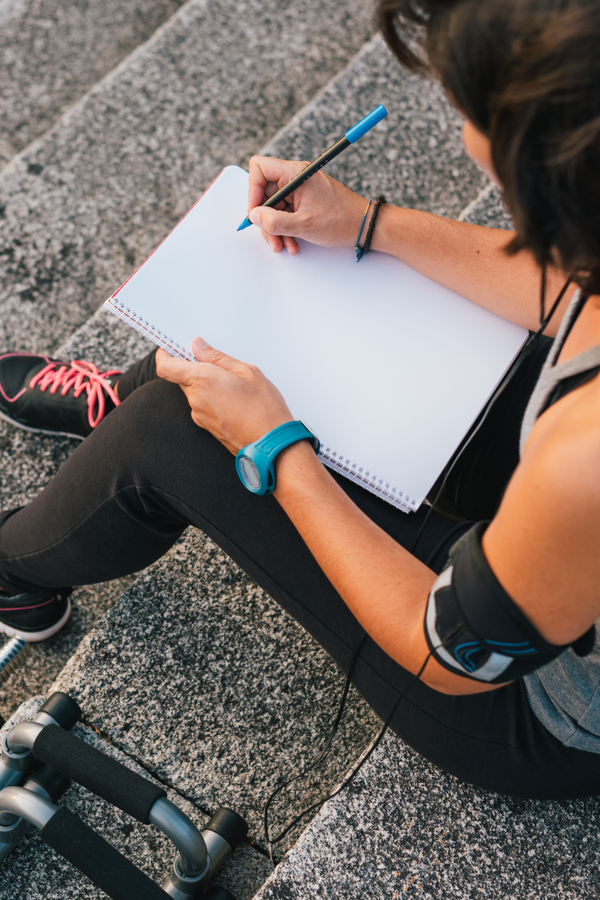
349, 138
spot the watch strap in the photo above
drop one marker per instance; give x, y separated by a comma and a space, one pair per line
281, 437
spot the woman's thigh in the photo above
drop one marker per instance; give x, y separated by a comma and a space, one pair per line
128, 491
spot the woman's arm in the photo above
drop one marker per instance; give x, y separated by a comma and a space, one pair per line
385, 586
472, 261
543, 542
468, 259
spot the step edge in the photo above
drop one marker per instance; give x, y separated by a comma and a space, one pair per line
72, 109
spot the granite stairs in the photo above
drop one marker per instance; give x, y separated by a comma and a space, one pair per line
194, 677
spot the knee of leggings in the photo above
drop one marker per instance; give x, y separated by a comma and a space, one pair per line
151, 438
155, 416
154, 403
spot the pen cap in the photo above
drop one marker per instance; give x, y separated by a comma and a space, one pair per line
366, 124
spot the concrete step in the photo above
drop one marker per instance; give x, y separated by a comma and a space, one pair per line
403, 828
202, 677
35, 872
415, 157
487, 209
52, 52
90, 200
87, 202
184, 662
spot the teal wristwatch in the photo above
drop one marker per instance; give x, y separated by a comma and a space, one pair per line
255, 462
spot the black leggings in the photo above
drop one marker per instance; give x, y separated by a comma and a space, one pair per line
129, 490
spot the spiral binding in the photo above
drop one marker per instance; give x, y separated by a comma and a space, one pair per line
144, 327
337, 462
332, 459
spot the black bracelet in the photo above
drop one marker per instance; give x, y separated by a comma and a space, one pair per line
377, 204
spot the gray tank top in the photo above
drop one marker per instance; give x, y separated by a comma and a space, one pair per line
565, 694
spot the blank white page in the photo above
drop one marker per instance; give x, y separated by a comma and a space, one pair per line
388, 367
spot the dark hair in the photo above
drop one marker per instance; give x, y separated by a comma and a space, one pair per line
527, 74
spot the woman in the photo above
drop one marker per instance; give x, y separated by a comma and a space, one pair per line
502, 699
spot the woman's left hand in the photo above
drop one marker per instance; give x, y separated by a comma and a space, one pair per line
231, 399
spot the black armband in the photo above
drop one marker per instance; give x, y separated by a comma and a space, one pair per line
474, 628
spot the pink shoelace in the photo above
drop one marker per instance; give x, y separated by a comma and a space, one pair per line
79, 376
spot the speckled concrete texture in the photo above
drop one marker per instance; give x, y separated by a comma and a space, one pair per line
487, 209
405, 829
203, 677
34, 872
87, 202
107, 341
27, 462
414, 157
52, 51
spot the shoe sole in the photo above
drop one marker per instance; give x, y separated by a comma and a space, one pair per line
33, 637
78, 437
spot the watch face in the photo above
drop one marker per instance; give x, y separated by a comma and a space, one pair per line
249, 473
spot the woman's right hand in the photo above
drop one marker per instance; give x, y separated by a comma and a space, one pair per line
321, 210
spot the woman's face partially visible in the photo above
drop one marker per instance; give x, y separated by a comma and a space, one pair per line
479, 149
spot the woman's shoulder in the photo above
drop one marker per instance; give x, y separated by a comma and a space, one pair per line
562, 452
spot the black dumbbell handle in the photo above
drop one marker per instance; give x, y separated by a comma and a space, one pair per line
93, 856
98, 773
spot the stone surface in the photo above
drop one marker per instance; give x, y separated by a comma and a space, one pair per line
89, 604
35, 872
405, 829
27, 462
85, 204
52, 51
200, 675
487, 209
414, 157
107, 341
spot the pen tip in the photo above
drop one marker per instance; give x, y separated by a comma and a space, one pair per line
245, 224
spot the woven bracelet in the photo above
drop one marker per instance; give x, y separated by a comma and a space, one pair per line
378, 203
357, 249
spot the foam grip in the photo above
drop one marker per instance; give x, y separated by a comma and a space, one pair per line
54, 783
93, 856
229, 825
63, 709
98, 773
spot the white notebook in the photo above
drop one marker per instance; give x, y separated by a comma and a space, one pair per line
389, 368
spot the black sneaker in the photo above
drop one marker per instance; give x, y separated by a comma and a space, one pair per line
54, 397
35, 615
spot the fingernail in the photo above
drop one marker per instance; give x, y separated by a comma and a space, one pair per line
199, 343
254, 216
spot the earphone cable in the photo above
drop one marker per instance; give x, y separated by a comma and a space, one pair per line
354, 771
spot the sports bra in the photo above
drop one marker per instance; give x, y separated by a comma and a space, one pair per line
559, 379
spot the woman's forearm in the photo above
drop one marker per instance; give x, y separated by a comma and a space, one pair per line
384, 585
472, 261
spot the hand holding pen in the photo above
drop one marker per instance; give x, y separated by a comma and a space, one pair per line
308, 203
